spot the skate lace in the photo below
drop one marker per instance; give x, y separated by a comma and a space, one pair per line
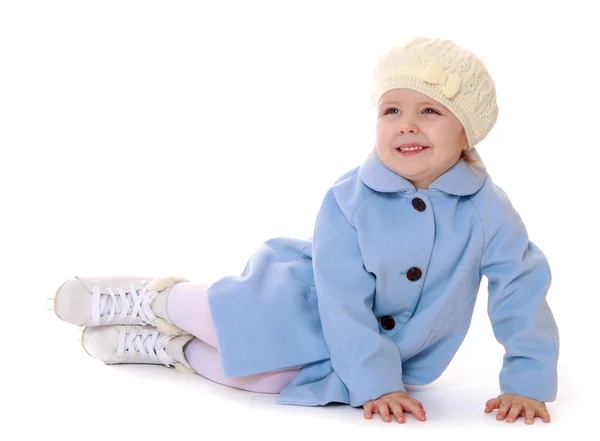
137, 305
134, 343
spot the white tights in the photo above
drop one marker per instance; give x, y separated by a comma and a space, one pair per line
188, 309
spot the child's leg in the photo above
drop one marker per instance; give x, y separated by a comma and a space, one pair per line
188, 309
205, 360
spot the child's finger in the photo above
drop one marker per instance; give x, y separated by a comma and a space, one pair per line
514, 413
418, 403
397, 411
492, 404
502, 411
414, 409
368, 410
529, 415
384, 411
544, 415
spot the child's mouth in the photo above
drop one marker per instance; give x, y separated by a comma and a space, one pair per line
411, 151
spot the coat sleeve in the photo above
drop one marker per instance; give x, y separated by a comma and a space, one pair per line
519, 278
368, 363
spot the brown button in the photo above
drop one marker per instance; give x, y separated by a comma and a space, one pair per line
388, 322
419, 204
414, 274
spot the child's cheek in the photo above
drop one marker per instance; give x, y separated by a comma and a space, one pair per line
383, 132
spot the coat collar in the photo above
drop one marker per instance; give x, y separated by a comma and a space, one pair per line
459, 180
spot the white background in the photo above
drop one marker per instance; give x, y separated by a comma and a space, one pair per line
172, 138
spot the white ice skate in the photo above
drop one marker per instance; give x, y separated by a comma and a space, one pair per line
119, 300
136, 345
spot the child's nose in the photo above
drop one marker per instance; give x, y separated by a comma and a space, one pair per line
408, 127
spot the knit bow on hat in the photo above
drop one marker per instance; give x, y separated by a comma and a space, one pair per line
449, 82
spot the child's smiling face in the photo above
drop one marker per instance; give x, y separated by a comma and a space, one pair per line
405, 116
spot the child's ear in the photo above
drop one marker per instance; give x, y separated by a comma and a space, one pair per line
465, 141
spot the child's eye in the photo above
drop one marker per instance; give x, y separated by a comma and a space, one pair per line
433, 111
390, 110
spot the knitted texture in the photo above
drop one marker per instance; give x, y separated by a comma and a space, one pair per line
451, 75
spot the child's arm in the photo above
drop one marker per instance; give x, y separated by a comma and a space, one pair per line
518, 280
368, 363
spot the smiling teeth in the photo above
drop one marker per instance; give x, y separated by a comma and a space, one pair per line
410, 149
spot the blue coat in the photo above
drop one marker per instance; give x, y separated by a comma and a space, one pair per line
383, 293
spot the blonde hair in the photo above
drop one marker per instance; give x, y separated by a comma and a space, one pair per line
470, 160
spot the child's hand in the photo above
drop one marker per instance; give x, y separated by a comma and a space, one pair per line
515, 406
396, 402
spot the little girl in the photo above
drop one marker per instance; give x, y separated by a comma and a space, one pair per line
383, 293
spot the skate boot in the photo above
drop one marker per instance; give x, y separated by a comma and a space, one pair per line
122, 344
119, 300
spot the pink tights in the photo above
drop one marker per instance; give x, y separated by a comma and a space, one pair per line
187, 307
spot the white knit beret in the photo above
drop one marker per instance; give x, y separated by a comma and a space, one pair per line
451, 75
